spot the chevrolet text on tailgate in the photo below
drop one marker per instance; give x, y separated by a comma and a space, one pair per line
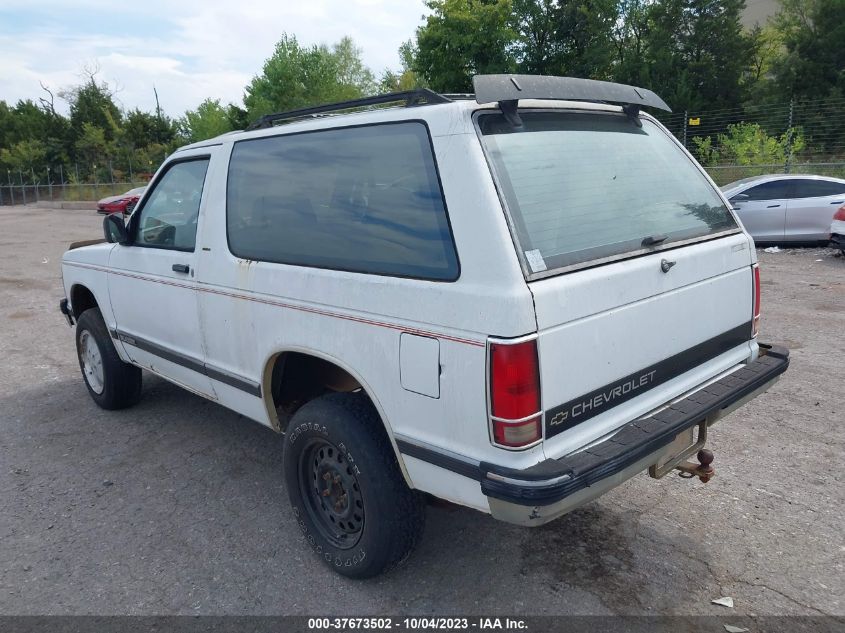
514, 302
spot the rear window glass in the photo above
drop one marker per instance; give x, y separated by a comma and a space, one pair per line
816, 188
581, 187
363, 199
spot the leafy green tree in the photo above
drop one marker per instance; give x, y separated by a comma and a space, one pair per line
351, 70
697, 53
584, 38
630, 40
210, 119
92, 102
296, 76
27, 121
92, 146
405, 78
462, 38
238, 117
535, 21
813, 33
24, 156
142, 128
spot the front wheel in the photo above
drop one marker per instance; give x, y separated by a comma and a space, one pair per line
112, 383
348, 494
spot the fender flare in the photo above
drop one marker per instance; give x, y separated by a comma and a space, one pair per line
266, 390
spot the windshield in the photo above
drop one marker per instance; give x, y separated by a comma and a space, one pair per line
581, 187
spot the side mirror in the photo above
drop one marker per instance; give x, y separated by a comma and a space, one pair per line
115, 229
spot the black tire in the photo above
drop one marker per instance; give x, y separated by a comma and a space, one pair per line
367, 520
119, 385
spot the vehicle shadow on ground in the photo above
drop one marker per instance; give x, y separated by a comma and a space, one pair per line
210, 483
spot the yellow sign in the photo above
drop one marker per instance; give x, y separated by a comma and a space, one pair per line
695, 121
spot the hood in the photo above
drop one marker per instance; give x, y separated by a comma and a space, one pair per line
112, 199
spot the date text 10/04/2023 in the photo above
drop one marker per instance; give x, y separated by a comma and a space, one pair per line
416, 623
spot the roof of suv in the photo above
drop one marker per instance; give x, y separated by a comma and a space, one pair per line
397, 113
505, 92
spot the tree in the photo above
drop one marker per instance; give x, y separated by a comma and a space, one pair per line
92, 147
584, 31
630, 38
536, 46
92, 102
24, 156
351, 70
462, 38
697, 53
296, 76
210, 119
143, 128
405, 78
813, 33
28, 121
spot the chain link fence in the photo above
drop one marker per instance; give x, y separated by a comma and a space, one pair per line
812, 133
76, 182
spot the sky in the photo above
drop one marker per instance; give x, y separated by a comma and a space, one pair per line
187, 49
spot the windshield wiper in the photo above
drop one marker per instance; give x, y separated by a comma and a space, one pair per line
654, 240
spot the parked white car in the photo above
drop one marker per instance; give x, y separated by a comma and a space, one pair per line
786, 208
513, 302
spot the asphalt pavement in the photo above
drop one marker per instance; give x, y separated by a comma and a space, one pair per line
177, 506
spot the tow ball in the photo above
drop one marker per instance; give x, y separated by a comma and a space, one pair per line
703, 470
682, 448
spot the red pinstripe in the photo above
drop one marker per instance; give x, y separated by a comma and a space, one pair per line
278, 304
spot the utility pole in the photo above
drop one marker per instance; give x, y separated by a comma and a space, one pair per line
686, 120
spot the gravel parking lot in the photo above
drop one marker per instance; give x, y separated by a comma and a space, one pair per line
177, 505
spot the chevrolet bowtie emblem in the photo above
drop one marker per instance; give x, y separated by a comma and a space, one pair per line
558, 419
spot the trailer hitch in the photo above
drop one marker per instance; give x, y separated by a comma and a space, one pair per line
678, 460
703, 470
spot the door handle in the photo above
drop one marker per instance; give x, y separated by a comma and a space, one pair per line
181, 268
837, 202
773, 206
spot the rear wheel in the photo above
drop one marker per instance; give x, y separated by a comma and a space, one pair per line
112, 383
346, 489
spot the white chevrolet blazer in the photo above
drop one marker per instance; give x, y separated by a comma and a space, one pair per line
513, 300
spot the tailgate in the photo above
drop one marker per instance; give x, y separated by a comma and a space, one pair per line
630, 333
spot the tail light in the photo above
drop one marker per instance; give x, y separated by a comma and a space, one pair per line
515, 413
755, 317
840, 213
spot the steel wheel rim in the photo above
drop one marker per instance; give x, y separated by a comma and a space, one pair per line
332, 494
92, 362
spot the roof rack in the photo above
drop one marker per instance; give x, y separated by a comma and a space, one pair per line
417, 97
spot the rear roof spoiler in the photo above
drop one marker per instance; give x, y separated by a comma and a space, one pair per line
511, 88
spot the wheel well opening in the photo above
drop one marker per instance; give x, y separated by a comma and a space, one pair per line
81, 299
298, 378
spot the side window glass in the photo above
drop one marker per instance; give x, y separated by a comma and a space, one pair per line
775, 190
817, 189
169, 216
364, 199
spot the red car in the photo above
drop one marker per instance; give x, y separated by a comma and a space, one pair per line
123, 203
